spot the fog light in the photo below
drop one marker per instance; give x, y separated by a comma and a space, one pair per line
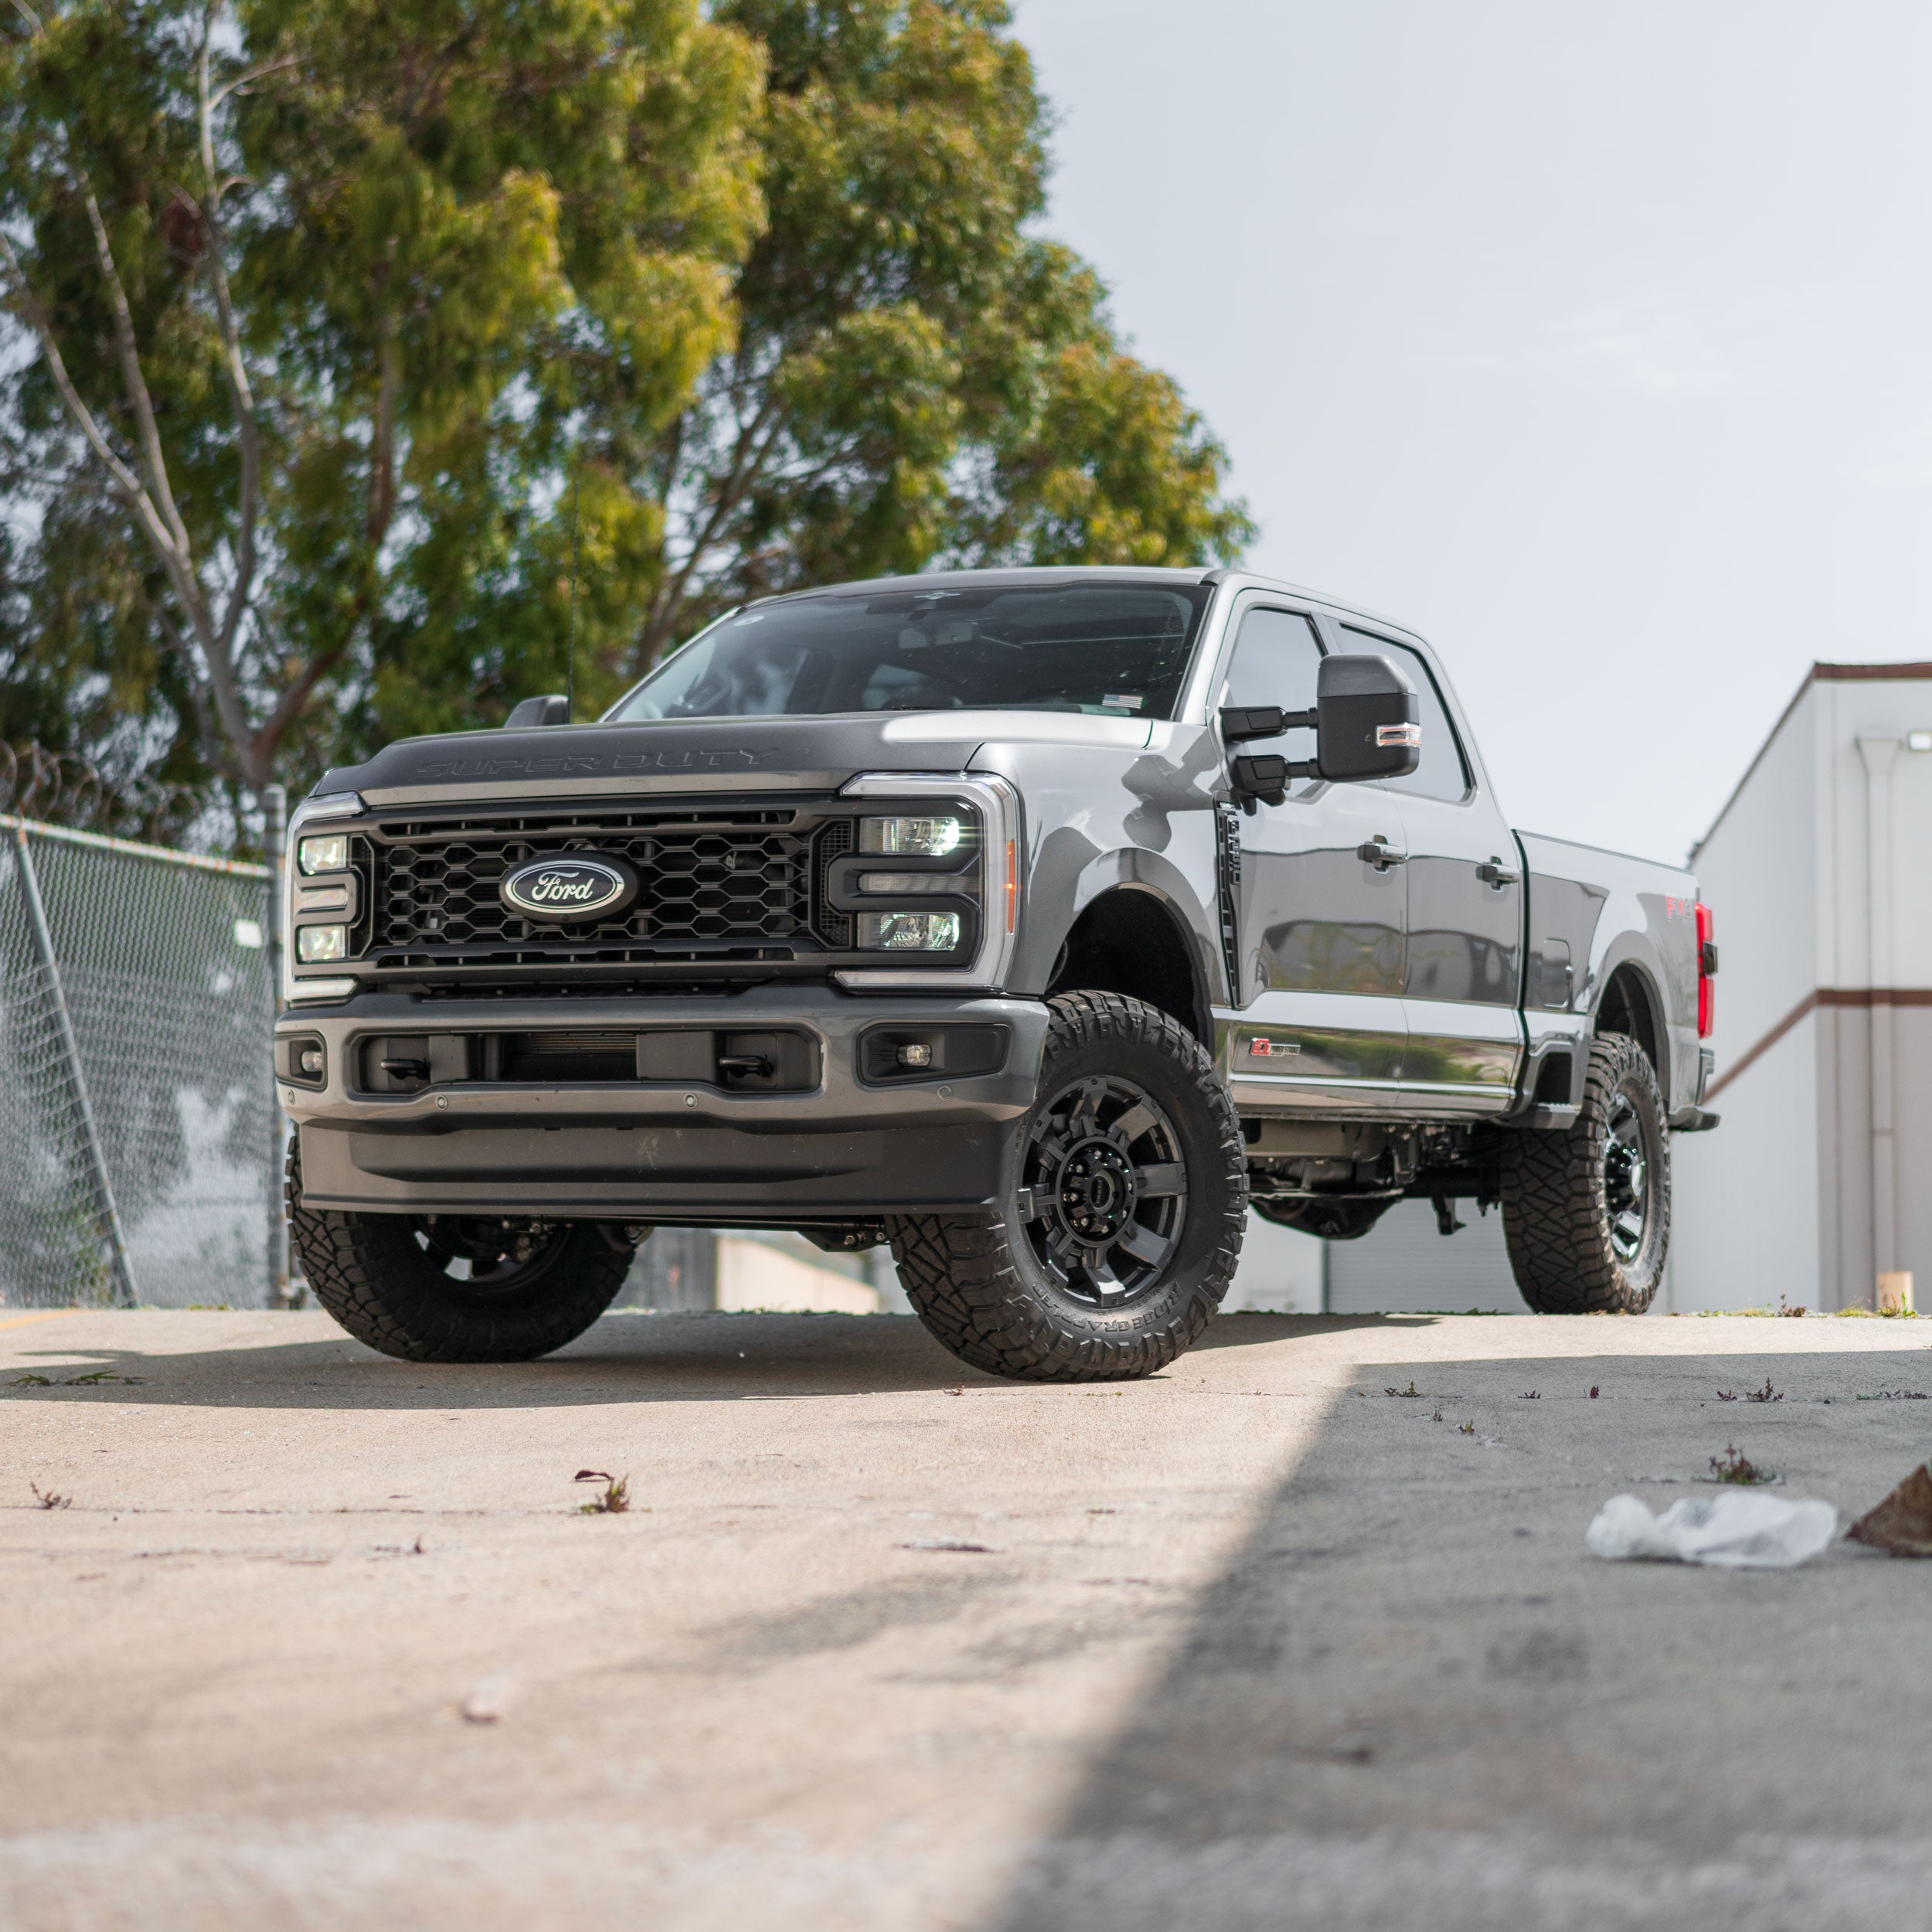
316, 945
917, 838
917, 1055
908, 932
328, 853
310, 1061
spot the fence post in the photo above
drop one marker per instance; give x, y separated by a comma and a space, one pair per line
274, 832
107, 1215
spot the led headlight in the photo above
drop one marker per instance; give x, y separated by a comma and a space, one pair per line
908, 932
914, 882
327, 852
319, 945
913, 837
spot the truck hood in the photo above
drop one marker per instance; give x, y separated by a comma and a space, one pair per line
739, 754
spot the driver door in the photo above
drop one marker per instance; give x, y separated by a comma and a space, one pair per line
1321, 931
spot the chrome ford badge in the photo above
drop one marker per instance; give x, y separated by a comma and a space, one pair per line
568, 888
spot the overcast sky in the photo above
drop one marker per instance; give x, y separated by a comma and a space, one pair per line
1591, 342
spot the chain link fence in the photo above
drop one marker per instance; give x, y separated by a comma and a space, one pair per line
140, 1142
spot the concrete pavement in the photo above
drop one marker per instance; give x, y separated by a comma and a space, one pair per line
1254, 1644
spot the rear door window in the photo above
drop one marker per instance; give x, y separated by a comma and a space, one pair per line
1442, 773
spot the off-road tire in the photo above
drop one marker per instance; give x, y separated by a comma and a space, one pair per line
370, 1272
976, 1281
1557, 1213
1341, 1219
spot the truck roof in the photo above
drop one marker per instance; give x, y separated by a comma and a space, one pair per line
1043, 573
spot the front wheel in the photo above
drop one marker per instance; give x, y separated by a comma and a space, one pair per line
456, 1288
1585, 1211
1120, 1212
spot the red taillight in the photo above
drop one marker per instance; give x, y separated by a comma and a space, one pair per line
1706, 967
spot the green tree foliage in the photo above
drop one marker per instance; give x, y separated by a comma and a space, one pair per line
300, 275
376, 361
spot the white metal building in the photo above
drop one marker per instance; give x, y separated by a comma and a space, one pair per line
1819, 872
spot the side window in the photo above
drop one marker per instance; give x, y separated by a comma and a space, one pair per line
1275, 659
1441, 773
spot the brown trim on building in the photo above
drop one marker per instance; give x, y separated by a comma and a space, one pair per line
1866, 996
1876, 673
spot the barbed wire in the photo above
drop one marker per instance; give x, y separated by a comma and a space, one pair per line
65, 788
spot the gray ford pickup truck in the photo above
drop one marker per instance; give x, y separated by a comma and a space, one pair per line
1039, 923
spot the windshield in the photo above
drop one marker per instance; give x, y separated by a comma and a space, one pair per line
1113, 650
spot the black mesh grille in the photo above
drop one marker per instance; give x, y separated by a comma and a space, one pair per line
742, 880
834, 927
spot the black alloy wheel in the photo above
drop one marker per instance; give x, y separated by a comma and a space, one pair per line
1103, 1192
484, 1257
1627, 1172
456, 1287
1586, 1208
1121, 1210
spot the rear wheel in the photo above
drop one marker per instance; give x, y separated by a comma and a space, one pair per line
457, 1288
1586, 1211
1121, 1215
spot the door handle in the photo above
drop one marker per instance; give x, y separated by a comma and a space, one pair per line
1382, 857
1497, 874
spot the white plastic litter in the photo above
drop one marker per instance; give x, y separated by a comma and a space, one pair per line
1734, 1531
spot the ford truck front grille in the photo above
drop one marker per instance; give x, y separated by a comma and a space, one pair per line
734, 884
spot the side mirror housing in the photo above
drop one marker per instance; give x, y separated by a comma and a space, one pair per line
1366, 725
552, 710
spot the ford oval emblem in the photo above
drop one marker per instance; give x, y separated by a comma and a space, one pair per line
568, 888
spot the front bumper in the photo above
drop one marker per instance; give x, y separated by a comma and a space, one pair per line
669, 1151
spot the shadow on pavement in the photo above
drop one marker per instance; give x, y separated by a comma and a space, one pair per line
1413, 1699
626, 1357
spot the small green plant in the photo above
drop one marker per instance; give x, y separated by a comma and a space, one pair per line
32, 1382
1468, 1429
1410, 1393
47, 1499
615, 1498
1531, 1395
1727, 1395
1767, 1393
1735, 1466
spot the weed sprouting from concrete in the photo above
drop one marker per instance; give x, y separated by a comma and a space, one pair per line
1592, 1392
1735, 1466
1468, 1429
1531, 1395
615, 1498
1893, 1394
48, 1498
1727, 1395
1410, 1393
1784, 1309
1437, 1417
1767, 1393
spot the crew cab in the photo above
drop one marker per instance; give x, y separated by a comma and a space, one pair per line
1039, 923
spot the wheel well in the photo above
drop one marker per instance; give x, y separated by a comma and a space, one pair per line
1626, 1008
1128, 942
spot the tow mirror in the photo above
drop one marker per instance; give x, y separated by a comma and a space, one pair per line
1365, 721
552, 710
1364, 724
